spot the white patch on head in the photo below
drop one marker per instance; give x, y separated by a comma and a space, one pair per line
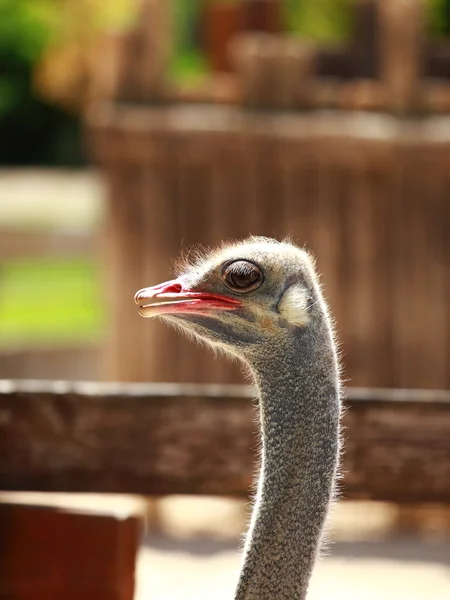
294, 306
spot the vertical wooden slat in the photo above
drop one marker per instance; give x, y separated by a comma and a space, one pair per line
194, 212
367, 319
300, 182
411, 280
160, 245
332, 189
399, 285
229, 221
358, 296
124, 359
437, 303
268, 188
444, 212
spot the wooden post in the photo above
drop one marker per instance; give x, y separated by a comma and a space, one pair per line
401, 51
363, 46
262, 15
132, 65
275, 71
295, 83
254, 57
155, 31
221, 22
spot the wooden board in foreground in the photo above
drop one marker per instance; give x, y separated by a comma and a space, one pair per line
48, 553
186, 439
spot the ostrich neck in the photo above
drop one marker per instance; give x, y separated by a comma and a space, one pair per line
299, 412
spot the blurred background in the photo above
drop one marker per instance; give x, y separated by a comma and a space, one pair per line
132, 130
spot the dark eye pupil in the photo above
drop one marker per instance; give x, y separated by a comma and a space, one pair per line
243, 279
242, 275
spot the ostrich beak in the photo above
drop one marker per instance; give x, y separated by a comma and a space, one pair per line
172, 298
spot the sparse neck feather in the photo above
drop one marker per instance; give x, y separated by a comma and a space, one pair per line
298, 387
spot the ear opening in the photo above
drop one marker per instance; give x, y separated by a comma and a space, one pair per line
293, 306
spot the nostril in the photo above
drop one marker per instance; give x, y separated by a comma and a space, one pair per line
174, 288
168, 287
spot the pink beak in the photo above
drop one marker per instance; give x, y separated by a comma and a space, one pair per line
170, 298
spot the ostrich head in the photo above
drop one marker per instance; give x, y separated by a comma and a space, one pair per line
240, 297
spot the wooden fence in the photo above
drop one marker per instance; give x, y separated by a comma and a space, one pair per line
366, 191
170, 439
181, 439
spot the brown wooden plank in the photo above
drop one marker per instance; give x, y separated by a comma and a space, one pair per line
52, 553
163, 439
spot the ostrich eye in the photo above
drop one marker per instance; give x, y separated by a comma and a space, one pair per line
242, 276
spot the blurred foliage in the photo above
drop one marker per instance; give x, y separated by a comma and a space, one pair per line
439, 17
326, 21
321, 20
65, 305
35, 127
46, 46
332, 20
31, 131
188, 62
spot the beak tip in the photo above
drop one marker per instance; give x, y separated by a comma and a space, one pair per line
142, 295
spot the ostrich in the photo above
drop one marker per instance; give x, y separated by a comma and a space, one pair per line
260, 300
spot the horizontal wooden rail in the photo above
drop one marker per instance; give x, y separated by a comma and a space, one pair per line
190, 439
134, 135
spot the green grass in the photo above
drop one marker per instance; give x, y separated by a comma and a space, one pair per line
47, 301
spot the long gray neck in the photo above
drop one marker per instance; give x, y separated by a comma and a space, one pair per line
299, 411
